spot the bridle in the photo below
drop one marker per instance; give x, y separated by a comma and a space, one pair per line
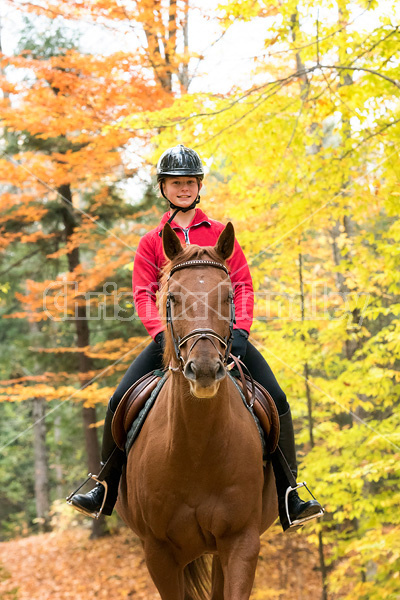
199, 333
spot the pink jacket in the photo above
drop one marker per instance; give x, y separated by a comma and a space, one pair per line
150, 258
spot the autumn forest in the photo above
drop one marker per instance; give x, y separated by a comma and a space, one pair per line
300, 141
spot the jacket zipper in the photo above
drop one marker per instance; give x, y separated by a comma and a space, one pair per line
186, 231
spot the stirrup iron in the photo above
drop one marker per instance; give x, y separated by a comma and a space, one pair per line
300, 522
96, 514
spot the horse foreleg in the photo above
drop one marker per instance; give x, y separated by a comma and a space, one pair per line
217, 578
239, 555
165, 572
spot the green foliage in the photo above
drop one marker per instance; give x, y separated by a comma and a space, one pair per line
16, 472
44, 38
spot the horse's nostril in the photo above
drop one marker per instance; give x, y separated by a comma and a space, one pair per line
190, 370
192, 366
219, 371
199, 372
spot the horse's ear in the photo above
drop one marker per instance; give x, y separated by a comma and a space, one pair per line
226, 242
171, 243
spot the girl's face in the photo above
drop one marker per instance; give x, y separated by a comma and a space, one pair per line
181, 191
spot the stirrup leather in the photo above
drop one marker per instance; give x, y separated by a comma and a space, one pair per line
95, 514
300, 522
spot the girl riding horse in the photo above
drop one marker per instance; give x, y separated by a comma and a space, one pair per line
180, 175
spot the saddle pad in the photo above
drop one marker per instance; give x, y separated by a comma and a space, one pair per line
137, 424
131, 404
266, 412
139, 398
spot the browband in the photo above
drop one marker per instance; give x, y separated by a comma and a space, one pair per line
198, 263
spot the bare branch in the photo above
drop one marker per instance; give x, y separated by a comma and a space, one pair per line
21, 260
365, 69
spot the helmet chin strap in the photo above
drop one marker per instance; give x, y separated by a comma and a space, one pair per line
175, 208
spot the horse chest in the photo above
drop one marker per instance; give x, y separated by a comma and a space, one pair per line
178, 506
198, 520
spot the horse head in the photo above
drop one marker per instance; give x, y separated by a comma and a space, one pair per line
199, 311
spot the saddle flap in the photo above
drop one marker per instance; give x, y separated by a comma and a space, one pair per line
131, 404
267, 413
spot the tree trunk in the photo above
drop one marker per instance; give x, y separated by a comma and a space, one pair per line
84, 362
304, 89
322, 565
41, 465
346, 226
184, 70
162, 44
58, 469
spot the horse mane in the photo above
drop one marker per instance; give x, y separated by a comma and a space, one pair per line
191, 252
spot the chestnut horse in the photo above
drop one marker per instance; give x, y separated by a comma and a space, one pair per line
194, 482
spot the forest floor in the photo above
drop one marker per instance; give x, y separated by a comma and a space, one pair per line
67, 565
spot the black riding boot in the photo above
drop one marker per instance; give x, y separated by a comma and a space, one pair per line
91, 503
299, 511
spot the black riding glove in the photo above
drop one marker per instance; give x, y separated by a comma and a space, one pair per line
239, 344
160, 339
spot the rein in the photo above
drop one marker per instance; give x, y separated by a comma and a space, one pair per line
200, 333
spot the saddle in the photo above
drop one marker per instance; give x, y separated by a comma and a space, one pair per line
132, 402
138, 400
264, 409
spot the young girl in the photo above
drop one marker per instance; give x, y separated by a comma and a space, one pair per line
180, 175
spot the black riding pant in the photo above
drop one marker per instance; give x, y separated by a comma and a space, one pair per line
151, 358
261, 372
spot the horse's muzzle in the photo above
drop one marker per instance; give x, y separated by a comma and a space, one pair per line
204, 377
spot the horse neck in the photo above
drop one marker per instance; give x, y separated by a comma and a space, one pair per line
193, 420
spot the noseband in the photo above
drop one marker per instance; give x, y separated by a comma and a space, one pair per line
200, 334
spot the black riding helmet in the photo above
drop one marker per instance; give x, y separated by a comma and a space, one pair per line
179, 161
